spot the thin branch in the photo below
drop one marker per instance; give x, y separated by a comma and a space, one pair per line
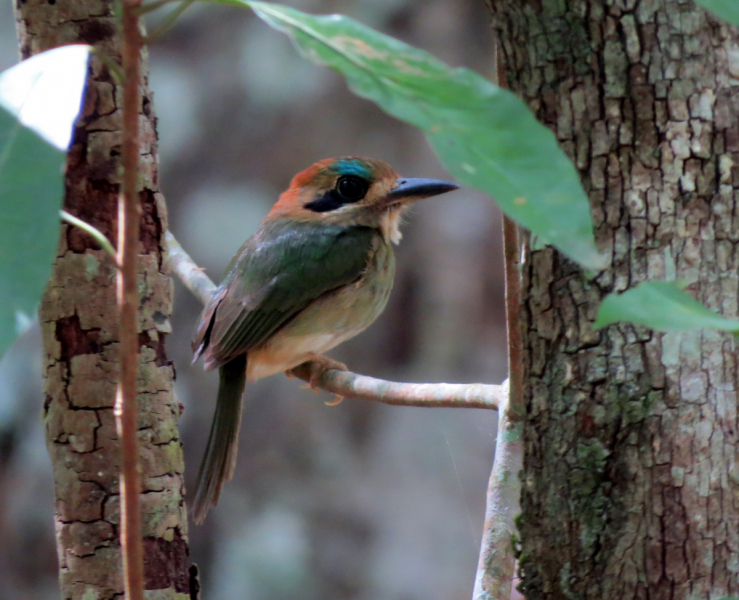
495, 571
511, 253
96, 234
189, 273
497, 564
346, 383
129, 217
450, 395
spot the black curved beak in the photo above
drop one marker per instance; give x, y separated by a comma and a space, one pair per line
416, 188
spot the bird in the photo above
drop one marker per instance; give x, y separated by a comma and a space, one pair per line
318, 270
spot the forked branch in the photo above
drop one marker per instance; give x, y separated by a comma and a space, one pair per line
496, 558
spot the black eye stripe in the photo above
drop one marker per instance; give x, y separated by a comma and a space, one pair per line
349, 189
328, 202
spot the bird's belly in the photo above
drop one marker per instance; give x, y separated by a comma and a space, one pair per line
285, 351
327, 322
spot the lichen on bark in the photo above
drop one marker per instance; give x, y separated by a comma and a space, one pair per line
79, 319
630, 486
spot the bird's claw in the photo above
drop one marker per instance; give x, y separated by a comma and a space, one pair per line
319, 364
338, 399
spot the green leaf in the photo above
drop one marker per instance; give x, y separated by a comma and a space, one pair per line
483, 134
663, 306
728, 10
39, 101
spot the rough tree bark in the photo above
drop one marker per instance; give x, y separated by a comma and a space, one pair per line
79, 321
630, 477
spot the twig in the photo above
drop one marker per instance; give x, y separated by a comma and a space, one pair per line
346, 383
129, 217
496, 567
189, 273
96, 234
451, 395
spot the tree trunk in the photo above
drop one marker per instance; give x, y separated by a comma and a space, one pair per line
79, 321
630, 476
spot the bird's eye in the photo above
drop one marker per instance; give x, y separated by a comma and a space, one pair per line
351, 188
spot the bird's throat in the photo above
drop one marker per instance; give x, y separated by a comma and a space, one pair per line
390, 225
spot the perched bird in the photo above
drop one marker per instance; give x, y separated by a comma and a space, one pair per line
318, 271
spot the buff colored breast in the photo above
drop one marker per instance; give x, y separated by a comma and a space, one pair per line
330, 320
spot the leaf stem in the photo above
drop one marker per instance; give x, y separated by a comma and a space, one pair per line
152, 6
168, 21
115, 69
96, 234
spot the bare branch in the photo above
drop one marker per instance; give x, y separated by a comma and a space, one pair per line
495, 570
346, 383
451, 395
192, 276
129, 217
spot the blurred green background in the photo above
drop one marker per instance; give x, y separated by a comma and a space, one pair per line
357, 501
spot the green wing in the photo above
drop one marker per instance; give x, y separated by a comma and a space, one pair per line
279, 271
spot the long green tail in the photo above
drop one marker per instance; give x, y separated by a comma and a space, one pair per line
219, 460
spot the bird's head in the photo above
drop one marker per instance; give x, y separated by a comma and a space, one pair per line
354, 191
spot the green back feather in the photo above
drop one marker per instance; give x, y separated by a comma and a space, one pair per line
278, 271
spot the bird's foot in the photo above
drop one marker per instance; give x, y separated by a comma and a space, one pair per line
319, 364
